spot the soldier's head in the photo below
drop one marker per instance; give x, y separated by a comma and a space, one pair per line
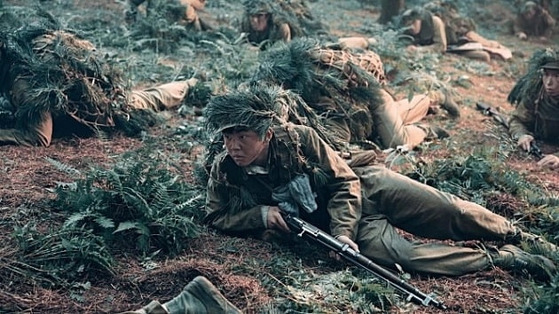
245, 118
529, 9
550, 77
410, 20
259, 13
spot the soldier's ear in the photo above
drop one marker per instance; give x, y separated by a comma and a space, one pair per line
268, 135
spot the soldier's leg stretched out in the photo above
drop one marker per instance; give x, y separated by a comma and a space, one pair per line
392, 200
162, 97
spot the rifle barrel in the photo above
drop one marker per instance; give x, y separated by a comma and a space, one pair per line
303, 228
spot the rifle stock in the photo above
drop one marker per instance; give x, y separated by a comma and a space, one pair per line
304, 229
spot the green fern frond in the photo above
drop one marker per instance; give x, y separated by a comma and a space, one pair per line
134, 226
73, 172
144, 192
104, 222
74, 219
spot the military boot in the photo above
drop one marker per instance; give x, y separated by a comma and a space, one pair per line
200, 296
433, 131
446, 101
514, 259
537, 243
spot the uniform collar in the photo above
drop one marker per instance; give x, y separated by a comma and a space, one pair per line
254, 169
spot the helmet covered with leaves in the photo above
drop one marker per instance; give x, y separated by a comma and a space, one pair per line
295, 13
338, 84
253, 7
254, 108
530, 85
529, 6
410, 15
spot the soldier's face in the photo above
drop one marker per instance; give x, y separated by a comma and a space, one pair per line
530, 13
259, 22
247, 147
415, 27
551, 82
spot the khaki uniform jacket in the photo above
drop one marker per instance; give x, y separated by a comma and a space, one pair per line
236, 197
539, 118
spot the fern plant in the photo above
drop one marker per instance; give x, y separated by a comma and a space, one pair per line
143, 199
472, 176
62, 255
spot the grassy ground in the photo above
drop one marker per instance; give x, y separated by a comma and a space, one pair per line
262, 277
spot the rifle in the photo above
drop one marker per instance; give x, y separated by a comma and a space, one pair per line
490, 111
535, 151
499, 117
303, 228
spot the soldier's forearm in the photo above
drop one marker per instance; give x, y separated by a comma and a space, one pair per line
15, 137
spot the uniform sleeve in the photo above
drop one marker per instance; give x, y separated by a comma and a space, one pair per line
439, 35
549, 23
344, 205
285, 32
439, 38
219, 213
522, 120
39, 135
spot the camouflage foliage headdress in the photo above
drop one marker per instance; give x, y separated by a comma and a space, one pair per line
411, 15
253, 108
64, 75
296, 13
261, 6
529, 5
258, 106
530, 85
313, 72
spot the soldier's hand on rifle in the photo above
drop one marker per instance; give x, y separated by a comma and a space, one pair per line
346, 240
524, 142
275, 220
550, 161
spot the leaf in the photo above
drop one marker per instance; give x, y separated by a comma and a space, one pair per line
74, 219
105, 222
64, 167
129, 225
